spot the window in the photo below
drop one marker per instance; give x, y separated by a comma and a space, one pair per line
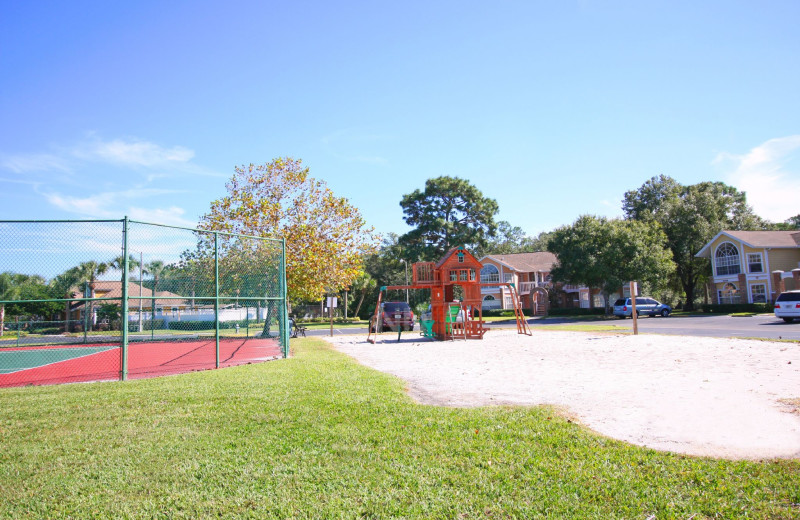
754, 263
758, 293
727, 259
729, 294
508, 303
507, 277
490, 302
490, 274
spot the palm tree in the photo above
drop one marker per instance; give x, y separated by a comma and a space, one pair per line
88, 272
155, 268
117, 263
363, 284
62, 287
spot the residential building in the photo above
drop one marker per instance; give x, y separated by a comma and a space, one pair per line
752, 266
530, 274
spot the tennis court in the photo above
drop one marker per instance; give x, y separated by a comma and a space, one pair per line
47, 365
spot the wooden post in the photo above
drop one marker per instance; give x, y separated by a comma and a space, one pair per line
633, 309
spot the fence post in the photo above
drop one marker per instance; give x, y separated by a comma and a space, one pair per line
284, 299
216, 297
87, 293
123, 372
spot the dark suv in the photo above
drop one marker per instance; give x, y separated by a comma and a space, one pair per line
393, 316
623, 307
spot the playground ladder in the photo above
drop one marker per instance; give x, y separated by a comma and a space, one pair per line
370, 337
522, 325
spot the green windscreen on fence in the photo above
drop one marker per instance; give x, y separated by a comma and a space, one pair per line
102, 300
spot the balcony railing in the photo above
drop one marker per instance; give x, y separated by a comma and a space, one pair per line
527, 287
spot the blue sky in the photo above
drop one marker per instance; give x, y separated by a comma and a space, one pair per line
554, 109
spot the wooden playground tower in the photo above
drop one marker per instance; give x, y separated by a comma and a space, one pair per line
457, 268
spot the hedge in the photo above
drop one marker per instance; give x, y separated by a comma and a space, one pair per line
498, 312
209, 325
729, 308
596, 311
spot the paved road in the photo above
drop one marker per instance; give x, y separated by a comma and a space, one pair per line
766, 326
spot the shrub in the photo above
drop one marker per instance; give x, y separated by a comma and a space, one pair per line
596, 311
729, 308
498, 312
209, 325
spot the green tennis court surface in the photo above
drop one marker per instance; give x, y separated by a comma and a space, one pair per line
16, 360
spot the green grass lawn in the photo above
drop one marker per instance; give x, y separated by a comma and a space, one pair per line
319, 436
588, 327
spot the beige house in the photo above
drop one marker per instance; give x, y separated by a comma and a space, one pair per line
113, 289
530, 274
753, 266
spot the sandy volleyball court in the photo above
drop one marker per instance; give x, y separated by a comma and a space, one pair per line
699, 396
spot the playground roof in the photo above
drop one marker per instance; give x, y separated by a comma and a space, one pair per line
453, 251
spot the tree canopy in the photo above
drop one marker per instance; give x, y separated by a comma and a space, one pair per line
690, 216
449, 212
326, 237
606, 254
511, 239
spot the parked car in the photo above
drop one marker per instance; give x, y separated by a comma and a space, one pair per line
393, 316
787, 306
649, 306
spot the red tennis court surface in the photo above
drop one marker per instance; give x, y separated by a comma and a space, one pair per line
102, 362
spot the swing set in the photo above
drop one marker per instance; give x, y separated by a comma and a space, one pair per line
449, 318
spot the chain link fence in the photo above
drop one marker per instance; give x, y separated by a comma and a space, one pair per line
118, 299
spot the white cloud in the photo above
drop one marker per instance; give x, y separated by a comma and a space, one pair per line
135, 153
768, 176
111, 205
171, 216
348, 146
34, 163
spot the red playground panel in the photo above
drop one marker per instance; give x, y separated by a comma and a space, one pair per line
102, 362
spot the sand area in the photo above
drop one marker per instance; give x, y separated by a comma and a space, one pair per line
728, 398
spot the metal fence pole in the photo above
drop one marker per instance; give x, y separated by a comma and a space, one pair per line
216, 297
284, 298
87, 293
124, 347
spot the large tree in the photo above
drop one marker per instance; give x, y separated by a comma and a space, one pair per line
512, 239
326, 237
690, 216
606, 254
449, 212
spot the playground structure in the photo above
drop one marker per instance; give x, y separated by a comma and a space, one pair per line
451, 319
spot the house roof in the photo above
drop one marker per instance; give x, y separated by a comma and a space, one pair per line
540, 261
113, 289
756, 239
